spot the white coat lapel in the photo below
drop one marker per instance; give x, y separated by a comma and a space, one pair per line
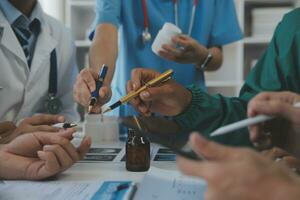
9, 40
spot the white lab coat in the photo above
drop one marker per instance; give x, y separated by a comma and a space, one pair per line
23, 91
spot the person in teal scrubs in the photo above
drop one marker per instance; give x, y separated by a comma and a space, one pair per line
213, 24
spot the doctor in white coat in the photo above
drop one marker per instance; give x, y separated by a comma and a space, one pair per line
25, 66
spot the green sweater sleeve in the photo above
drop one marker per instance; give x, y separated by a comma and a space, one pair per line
206, 113
277, 70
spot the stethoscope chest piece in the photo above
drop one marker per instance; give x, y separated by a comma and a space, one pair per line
53, 104
146, 36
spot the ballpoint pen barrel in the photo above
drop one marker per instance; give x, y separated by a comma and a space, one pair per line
160, 79
244, 123
99, 84
163, 77
132, 95
95, 93
241, 124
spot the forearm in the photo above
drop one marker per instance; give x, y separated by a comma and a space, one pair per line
217, 60
207, 113
104, 49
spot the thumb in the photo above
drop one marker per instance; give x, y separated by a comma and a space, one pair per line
210, 150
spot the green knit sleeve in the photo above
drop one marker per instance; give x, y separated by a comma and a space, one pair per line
207, 113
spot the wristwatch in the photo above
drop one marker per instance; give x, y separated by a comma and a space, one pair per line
205, 63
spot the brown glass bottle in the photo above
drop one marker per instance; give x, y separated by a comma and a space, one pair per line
137, 152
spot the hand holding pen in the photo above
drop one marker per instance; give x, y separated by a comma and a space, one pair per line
86, 84
167, 98
99, 84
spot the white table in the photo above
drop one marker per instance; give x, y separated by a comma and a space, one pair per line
108, 171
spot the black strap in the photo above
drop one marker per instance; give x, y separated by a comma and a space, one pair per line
53, 74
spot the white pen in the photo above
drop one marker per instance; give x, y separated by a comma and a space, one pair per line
65, 125
244, 123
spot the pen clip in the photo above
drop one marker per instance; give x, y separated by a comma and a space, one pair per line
166, 76
166, 80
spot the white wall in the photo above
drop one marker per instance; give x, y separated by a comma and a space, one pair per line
55, 8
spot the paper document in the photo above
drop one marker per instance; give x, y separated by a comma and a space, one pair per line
53, 190
159, 184
106, 153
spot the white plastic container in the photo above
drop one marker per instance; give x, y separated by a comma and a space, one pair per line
100, 129
165, 36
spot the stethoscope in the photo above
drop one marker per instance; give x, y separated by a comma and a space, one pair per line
53, 105
146, 35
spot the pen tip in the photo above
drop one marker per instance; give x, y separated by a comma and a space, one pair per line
105, 111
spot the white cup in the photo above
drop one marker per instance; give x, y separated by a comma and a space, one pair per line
101, 129
165, 36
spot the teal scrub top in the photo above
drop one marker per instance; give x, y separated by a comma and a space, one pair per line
215, 24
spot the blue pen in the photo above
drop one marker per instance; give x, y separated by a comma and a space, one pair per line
99, 84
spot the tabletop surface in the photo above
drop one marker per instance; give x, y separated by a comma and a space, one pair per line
108, 171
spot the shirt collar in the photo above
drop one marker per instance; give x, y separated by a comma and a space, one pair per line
12, 14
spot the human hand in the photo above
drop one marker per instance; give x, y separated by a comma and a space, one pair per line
85, 85
283, 132
31, 124
190, 52
40, 155
169, 98
233, 173
281, 156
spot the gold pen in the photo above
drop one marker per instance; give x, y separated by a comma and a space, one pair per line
160, 79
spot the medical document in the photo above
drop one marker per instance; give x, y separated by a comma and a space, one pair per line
160, 184
54, 190
50, 190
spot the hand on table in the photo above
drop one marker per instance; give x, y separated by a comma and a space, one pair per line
39, 155
190, 52
233, 173
85, 85
30, 124
283, 132
169, 98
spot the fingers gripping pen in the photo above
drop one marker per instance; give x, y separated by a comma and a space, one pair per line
99, 84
